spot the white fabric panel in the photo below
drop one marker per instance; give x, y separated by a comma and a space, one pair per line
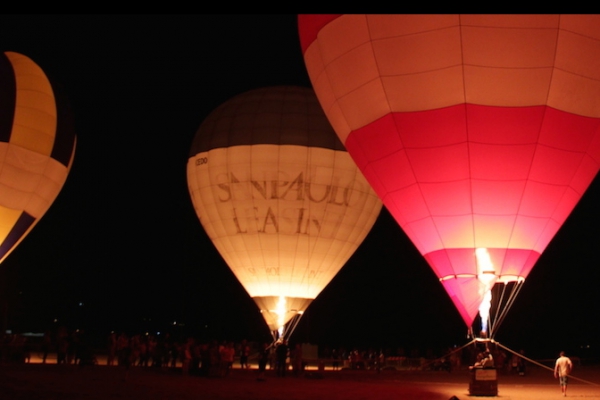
284, 219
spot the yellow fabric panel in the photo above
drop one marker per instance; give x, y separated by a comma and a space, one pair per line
29, 181
355, 112
512, 20
352, 70
575, 94
414, 54
343, 48
582, 24
510, 87
427, 90
320, 82
8, 218
509, 48
34, 126
579, 55
342, 36
405, 63
381, 26
330, 106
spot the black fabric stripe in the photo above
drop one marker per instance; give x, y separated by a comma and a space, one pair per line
21, 226
65, 126
313, 131
8, 88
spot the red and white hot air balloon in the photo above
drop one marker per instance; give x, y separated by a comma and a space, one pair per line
280, 198
478, 132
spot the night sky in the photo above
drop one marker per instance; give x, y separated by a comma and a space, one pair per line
121, 248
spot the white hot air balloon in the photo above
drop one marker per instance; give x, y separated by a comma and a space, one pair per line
280, 198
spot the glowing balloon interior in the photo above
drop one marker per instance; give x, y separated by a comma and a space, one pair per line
278, 195
478, 132
37, 145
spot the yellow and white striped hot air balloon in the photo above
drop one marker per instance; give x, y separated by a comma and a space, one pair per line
37, 145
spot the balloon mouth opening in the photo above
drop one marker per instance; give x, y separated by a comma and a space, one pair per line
281, 313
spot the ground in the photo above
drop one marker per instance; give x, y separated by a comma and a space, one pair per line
98, 382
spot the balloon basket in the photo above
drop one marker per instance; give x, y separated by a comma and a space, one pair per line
484, 382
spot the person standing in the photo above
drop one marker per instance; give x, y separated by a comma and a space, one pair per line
244, 353
186, 356
282, 353
46, 344
227, 356
263, 357
297, 360
562, 369
111, 354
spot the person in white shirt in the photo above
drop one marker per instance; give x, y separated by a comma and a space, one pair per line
562, 369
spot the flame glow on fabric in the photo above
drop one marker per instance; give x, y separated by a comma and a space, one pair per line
478, 132
280, 198
37, 146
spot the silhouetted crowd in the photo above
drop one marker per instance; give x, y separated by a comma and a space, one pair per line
217, 358
214, 358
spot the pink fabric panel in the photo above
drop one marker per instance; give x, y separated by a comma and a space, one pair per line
455, 186
457, 270
463, 294
492, 176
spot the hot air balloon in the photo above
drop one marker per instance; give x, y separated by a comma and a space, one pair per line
280, 198
478, 132
37, 145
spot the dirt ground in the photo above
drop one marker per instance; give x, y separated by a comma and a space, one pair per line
66, 382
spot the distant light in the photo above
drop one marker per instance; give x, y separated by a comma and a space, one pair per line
80, 304
32, 334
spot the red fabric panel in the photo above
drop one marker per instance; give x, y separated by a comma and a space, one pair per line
311, 25
472, 176
504, 125
457, 269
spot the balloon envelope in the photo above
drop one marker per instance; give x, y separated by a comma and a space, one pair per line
478, 132
37, 145
278, 195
